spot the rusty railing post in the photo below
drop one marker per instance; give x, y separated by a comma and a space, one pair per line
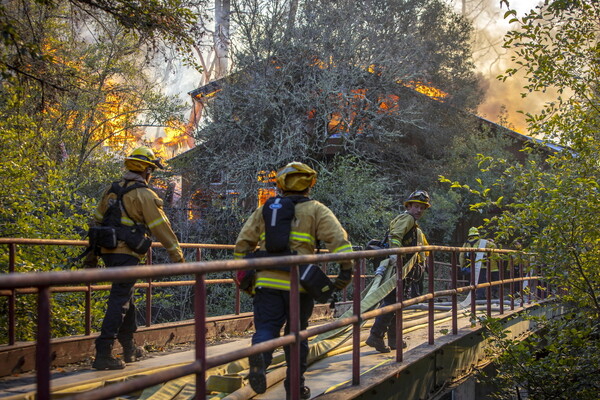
431, 305
42, 351
12, 298
399, 299
200, 327
454, 278
149, 291
473, 290
511, 265
501, 287
237, 307
522, 283
358, 267
294, 325
88, 309
488, 290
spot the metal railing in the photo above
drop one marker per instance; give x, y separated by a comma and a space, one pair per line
148, 286
88, 289
44, 281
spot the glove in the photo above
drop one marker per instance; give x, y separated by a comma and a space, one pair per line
380, 270
343, 279
90, 265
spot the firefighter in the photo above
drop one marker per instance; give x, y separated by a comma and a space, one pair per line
404, 232
141, 206
481, 262
312, 223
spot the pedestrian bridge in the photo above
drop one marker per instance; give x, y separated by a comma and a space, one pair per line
445, 340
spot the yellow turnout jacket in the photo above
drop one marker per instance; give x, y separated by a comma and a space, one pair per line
312, 222
144, 206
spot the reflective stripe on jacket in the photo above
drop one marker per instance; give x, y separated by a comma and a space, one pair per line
313, 222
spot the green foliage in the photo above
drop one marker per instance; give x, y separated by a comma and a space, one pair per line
471, 186
154, 24
76, 82
357, 195
552, 207
565, 351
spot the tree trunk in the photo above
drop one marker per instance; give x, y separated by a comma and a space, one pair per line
221, 37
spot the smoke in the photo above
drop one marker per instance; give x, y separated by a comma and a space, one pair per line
503, 103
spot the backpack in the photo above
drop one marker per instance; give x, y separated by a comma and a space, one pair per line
278, 214
111, 230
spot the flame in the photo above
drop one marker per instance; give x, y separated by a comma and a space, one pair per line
265, 194
210, 94
201, 200
117, 116
426, 89
266, 177
389, 103
197, 204
176, 139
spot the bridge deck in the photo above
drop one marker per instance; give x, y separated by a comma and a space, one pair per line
331, 374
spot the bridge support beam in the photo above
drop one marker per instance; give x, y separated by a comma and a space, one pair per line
428, 371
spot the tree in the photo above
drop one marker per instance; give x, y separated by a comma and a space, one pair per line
154, 23
304, 92
76, 81
572, 121
553, 208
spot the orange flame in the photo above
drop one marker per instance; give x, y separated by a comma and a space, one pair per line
264, 194
426, 89
175, 141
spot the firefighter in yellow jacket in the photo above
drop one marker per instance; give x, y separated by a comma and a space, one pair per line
312, 223
404, 232
139, 206
481, 262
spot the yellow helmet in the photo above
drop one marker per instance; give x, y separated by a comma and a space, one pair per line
142, 158
418, 196
296, 177
473, 231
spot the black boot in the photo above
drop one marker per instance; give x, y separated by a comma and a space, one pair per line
377, 343
257, 375
131, 352
105, 360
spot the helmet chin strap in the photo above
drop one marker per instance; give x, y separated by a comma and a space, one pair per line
147, 174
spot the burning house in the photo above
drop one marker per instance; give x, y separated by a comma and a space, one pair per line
360, 120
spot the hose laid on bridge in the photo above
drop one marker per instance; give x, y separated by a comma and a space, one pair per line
319, 347
223, 380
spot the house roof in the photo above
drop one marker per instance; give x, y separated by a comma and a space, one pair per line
214, 87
